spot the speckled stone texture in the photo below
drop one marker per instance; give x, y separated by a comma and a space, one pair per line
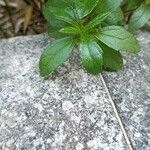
69, 111
130, 89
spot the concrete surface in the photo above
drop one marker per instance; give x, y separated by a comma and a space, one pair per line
130, 89
69, 111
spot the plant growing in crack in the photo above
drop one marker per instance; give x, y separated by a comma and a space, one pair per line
96, 26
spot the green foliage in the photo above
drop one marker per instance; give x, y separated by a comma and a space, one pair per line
112, 59
118, 38
91, 55
55, 54
96, 27
139, 13
116, 17
140, 17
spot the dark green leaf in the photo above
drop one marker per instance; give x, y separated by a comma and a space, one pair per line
51, 19
91, 56
54, 55
58, 13
70, 30
84, 7
115, 18
97, 20
54, 25
139, 18
132, 4
107, 6
54, 32
61, 10
119, 39
70, 11
112, 59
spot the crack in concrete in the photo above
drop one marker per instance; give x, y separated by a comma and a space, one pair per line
129, 144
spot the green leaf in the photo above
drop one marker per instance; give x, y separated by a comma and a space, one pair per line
58, 13
119, 39
54, 25
51, 19
107, 6
112, 59
84, 7
54, 55
70, 30
97, 20
61, 10
139, 18
70, 11
132, 4
115, 18
91, 56
54, 32
76, 9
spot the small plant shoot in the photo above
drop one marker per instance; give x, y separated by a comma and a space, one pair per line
97, 27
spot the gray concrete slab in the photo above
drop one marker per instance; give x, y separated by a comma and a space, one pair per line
69, 111
130, 89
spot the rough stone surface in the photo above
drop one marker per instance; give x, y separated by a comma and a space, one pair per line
69, 111
130, 89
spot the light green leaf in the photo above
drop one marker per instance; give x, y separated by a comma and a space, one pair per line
91, 56
119, 39
112, 59
54, 55
139, 18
